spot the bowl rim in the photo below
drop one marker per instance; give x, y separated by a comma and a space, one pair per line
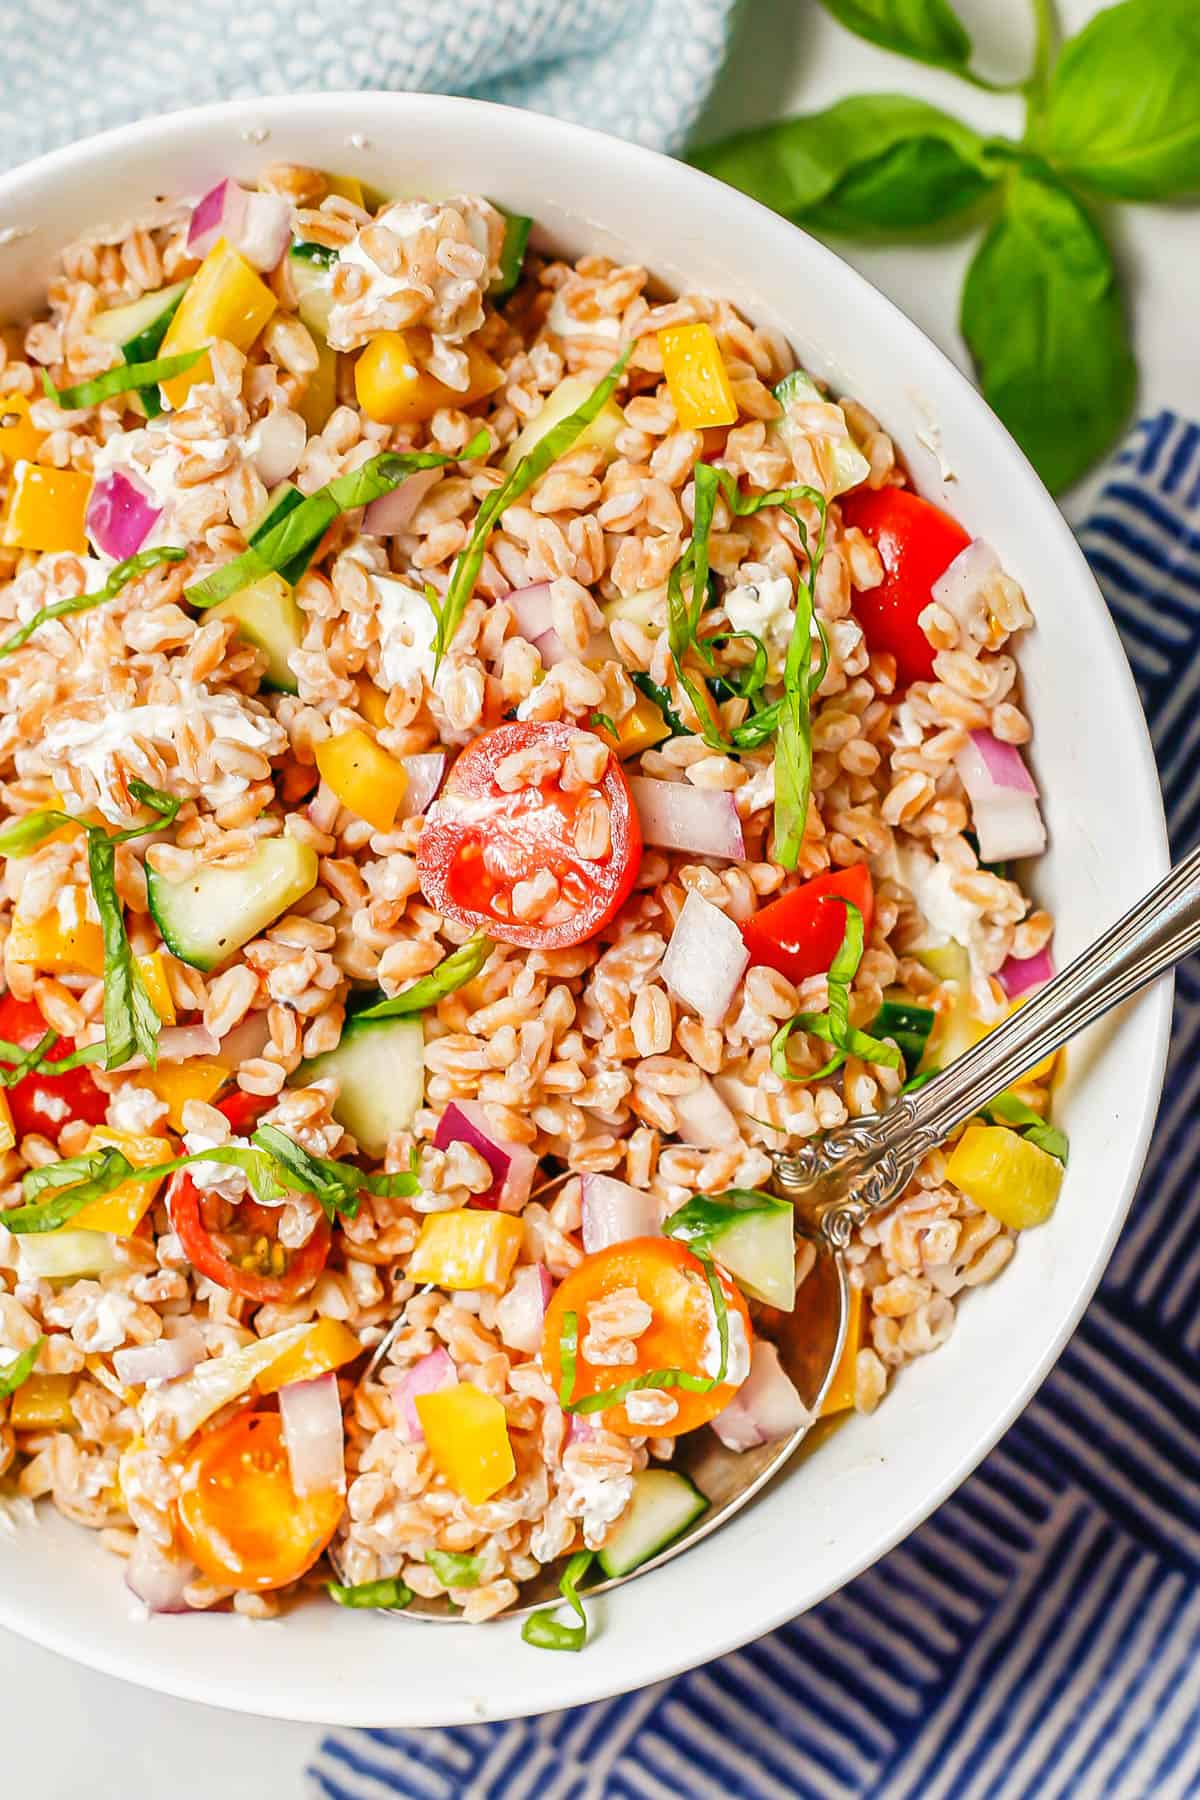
573, 1685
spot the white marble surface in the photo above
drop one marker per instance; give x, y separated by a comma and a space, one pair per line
68, 1734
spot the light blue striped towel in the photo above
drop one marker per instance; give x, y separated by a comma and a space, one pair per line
1039, 1637
640, 68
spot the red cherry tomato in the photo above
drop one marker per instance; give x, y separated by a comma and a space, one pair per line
244, 1110
917, 542
45, 1103
480, 841
799, 934
236, 1246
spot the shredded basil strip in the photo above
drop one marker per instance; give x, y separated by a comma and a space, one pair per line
120, 380
388, 1592
531, 468
454, 971
123, 572
662, 699
543, 1630
655, 1378
834, 1026
16, 1064
454, 1570
600, 721
304, 527
1009, 1109
14, 1374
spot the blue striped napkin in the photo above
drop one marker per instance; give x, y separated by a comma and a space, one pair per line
1040, 1635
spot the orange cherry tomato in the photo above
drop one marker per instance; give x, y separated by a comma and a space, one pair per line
241, 1519
682, 1333
479, 841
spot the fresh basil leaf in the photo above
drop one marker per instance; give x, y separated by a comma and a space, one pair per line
531, 468
928, 31
121, 380
833, 1027
387, 1593
22, 836
454, 1570
337, 1185
1042, 314
131, 1023
654, 1378
1123, 110
454, 971
15, 1373
924, 181
123, 572
304, 527
1009, 1109
543, 1630
75, 1182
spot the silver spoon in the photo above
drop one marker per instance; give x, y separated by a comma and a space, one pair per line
839, 1180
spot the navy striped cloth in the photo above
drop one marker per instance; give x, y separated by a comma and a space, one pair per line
1039, 1636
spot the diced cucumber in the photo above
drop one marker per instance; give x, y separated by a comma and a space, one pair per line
268, 617
380, 1066
847, 464
310, 266
907, 1024
140, 328
958, 1029
205, 917
752, 1235
65, 1254
568, 397
664, 1504
512, 253
647, 608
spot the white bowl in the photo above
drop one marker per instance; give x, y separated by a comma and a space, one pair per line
878, 1477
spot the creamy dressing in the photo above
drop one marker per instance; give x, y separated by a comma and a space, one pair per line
763, 605
564, 324
407, 632
151, 458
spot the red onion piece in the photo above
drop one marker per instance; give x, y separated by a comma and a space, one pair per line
277, 444
705, 959
961, 584
1004, 763
579, 1429
313, 1433
245, 1041
513, 1166
613, 1212
426, 1376
425, 772
161, 1361
1004, 803
530, 608
521, 1314
120, 516
1017, 974
258, 226
218, 211
677, 816
156, 1578
766, 1406
393, 513
176, 1044
703, 1119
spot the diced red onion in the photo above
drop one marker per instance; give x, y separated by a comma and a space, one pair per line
703, 1119
513, 1166
394, 512
1017, 974
156, 1578
161, 1361
530, 608
313, 1433
520, 1316
705, 959
1004, 763
426, 1376
277, 445
425, 772
959, 586
579, 1429
765, 1408
1004, 800
176, 1044
613, 1212
258, 226
120, 516
677, 816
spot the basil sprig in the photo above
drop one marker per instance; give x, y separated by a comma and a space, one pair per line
306, 524
568, 1354
834, 1027
15, 1373
121, 380
119, 577
543, 1630
388, 1592
454, 971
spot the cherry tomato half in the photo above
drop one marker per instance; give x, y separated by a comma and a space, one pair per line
799, 934
244, 1110
241, 1519
917, 542
479, 842
680, 1335
45, 1103
237, 1246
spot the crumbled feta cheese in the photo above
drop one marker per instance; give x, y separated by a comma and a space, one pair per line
563, 323
407, 632
763, 604
737, 1365
946, 913
136, 1110
594, 1496
216, 1177
104, 1323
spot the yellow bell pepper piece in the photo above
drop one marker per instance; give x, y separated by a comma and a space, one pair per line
639, 730
45, 509
372, 702
154, 974
8, 1136
467, 1434
320, 396
467, 1248
226, 300
177, 1083
328, 1346
43, 1403
61, 941
697, 379
1006, 1175
392, 390
844, 1385
366, 780
122, 1211
20, 438
348, 187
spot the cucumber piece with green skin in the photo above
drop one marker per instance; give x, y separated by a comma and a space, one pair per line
664, 1504
512, 254
268, 617
205, 917
751, 1235
379, 1065
309, 266
848, 466
139, 329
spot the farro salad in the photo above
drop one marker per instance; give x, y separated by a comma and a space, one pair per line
489, 753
